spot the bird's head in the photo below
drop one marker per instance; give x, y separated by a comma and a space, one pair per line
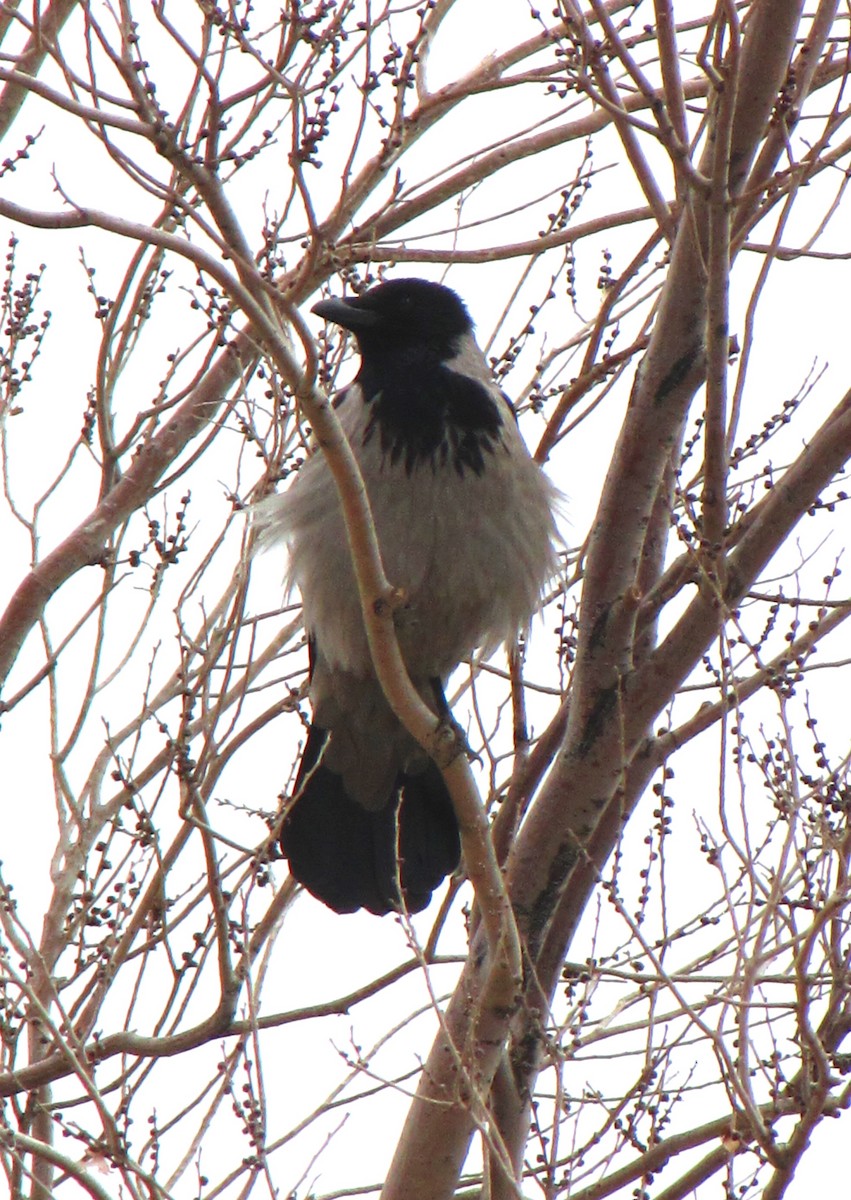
401, 314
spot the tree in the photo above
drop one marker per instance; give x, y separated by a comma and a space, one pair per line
638, 997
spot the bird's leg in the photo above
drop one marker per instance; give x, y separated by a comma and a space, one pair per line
449, 726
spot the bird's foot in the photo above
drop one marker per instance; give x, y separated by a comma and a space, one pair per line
450, 740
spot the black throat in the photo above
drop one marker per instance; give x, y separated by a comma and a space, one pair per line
426, 413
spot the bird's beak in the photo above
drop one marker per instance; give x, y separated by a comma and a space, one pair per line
347, 314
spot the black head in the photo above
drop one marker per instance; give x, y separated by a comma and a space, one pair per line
400, 314
424, 406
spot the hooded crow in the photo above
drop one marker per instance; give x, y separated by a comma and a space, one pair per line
464, 519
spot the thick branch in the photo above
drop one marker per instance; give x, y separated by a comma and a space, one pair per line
85, 546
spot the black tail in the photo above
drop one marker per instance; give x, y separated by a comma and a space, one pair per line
345, 854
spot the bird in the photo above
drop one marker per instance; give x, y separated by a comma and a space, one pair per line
465, 522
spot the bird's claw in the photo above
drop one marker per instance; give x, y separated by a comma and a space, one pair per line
450, 741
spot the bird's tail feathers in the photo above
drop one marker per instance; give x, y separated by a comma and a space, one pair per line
350, 857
